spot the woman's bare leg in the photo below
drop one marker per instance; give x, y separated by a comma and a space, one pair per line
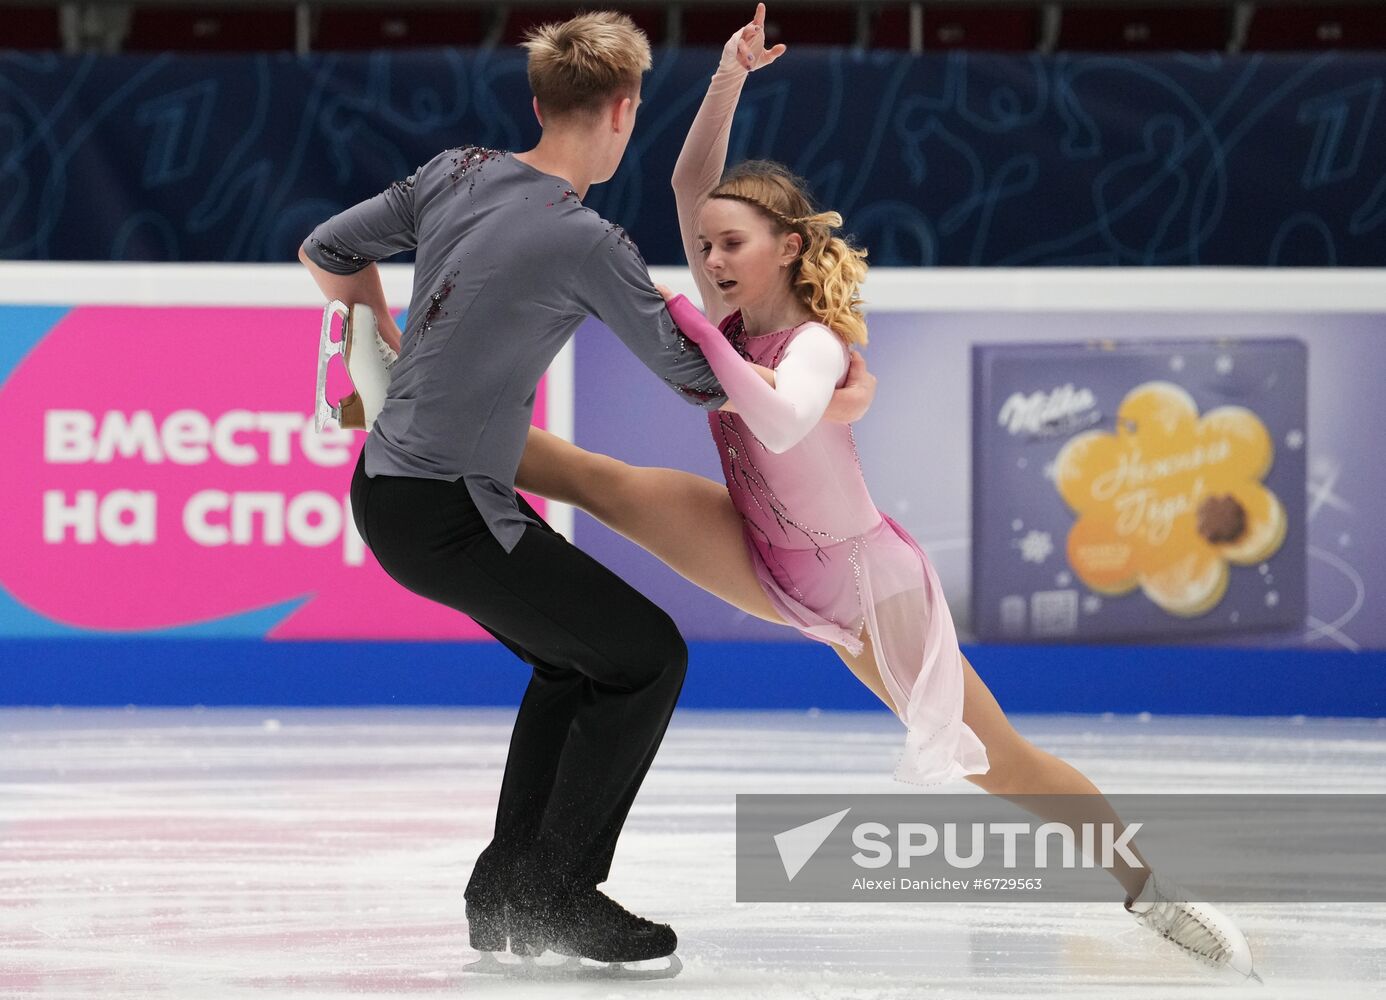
1018, 768
689, 523
686, 521
864, 667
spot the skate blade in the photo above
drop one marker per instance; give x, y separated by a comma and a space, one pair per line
327, 349
559, 968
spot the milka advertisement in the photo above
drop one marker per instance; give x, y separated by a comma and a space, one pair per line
1276, 544
1149, 488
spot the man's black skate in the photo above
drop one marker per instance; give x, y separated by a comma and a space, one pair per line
488, 928
488, 917
580, 928
590, 924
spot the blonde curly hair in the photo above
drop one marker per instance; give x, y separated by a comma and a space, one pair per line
827, 274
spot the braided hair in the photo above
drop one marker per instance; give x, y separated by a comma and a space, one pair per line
827, 274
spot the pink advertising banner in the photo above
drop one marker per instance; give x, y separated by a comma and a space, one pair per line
163, 476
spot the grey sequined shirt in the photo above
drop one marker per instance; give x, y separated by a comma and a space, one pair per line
509, 263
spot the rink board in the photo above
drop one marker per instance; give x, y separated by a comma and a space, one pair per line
790, 676
175, 520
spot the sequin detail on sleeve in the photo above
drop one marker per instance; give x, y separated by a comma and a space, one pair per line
623, 239
340, 255
681, 346
701, 395
467, 164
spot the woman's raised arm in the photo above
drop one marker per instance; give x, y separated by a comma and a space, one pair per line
704, 154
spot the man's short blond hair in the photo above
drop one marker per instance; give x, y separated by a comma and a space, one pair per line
576, 65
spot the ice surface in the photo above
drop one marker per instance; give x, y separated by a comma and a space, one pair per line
322, 854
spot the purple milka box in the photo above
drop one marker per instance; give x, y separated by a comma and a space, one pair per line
1147, 489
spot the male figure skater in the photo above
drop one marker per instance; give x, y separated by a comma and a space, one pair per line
509, 263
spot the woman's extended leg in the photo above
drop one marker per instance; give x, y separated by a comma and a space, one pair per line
686, 521
1018, 768
689, 523
863, 666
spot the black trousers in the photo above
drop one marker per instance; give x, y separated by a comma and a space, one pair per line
607, 665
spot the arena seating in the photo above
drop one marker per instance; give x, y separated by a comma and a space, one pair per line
1120, 28
210, 29
31, 28
983, 25
398, 26
1335, 26
1015, 29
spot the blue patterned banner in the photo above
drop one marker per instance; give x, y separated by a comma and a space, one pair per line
959, 160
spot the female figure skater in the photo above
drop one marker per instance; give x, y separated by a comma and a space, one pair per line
794, 536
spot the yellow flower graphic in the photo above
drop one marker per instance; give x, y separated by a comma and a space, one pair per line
1169, 499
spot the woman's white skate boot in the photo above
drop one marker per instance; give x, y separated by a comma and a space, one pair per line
1198, 929
368, 360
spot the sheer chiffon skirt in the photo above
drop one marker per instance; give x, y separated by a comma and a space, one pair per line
882, 584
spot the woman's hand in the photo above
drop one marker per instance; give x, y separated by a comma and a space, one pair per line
850, 403
746, 49
693, 324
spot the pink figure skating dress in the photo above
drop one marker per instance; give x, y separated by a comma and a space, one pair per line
833, 565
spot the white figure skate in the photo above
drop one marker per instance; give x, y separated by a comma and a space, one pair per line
368, 361
1200, 930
